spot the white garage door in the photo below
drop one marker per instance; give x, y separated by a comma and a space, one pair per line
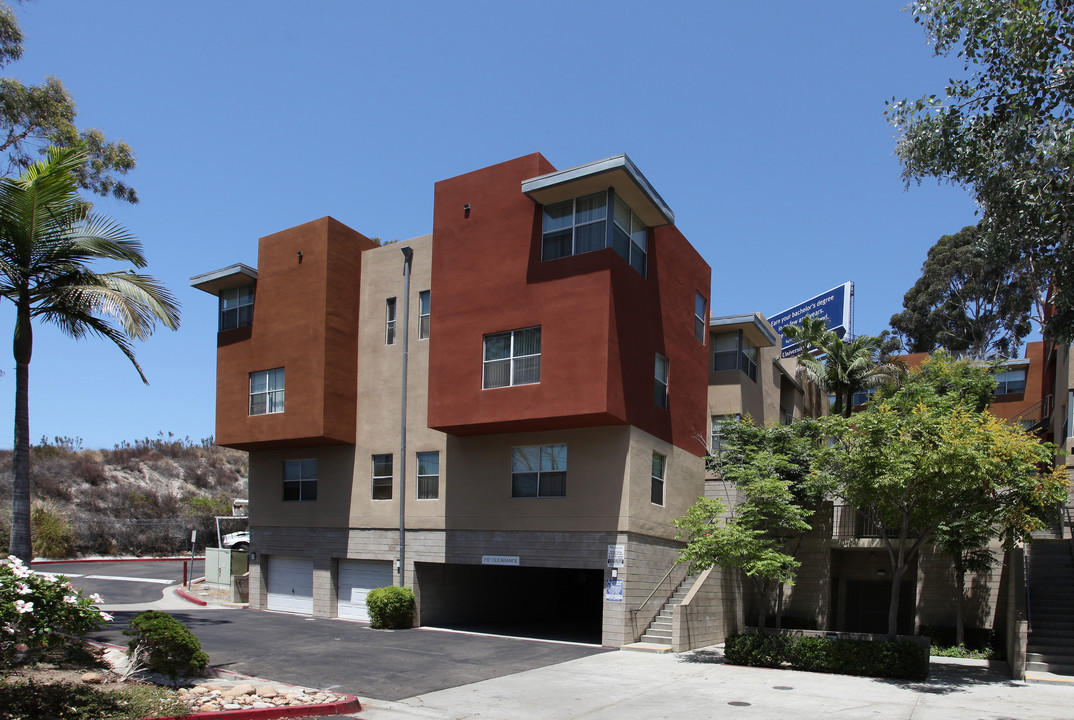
290, 584
356, 579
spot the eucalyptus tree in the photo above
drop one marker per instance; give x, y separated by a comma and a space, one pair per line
1004, 130
49, 237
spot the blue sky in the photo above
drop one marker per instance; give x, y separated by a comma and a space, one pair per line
760, 124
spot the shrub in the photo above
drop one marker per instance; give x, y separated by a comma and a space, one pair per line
39, 612
165, 645
51, 533
904, 659
391, 607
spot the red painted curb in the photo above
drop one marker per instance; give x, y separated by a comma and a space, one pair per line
187, 596
350, 705
113, 560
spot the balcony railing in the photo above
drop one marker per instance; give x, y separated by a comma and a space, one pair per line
852, 523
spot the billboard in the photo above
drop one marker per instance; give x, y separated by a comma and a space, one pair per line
833, 307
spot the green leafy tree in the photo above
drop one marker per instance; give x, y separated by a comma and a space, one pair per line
969, 300
770, 467
926, 456
48, 238
1005, 131
840, 367
35, 117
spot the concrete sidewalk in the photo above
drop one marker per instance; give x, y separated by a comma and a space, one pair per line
617, 685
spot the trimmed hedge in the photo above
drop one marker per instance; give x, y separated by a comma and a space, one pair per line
390, 607
904, 660
165, 645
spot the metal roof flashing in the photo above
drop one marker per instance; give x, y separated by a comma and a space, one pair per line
617, 172
756, 327
232, 276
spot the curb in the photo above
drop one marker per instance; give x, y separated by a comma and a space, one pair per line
350, 705
113, 560
188, 597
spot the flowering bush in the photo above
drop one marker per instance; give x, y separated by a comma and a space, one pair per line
40, 611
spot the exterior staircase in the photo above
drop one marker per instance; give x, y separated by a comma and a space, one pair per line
659, 632
1051, 608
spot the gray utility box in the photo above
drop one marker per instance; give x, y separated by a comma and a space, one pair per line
221, 564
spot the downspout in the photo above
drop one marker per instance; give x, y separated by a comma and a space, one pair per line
408, 257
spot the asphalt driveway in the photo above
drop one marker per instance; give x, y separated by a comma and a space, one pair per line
351, 657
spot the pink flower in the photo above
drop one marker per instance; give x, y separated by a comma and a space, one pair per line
70, 599
22, 588
21, 648
22, 606
106, 617
96, 598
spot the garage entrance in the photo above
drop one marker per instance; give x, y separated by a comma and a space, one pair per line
290, 584
356, 579
546, 603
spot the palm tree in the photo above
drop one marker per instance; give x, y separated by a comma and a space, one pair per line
843, 368
48, 237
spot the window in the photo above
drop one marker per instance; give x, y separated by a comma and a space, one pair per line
266, 392
512, 358
580, 225
389, 321
428, 475
237, 307
660, 382
423, 315
382, 477
539, 471
734, 351
630, 237
1011, 381
718, 421
575, 226
699, 317
299, 480
656, 493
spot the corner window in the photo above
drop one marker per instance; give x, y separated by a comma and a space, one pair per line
1011, 381
512, 358
266, 392
660, 382
299, 480
423, 315
699, 317
630, 238
734, 351
237, 307
539, 471
382, 477
428, 475
580, 225
389, 321
656, 492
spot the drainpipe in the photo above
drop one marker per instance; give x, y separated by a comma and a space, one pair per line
408, 257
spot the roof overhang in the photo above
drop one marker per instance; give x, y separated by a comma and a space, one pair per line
616, 172
754, 325
224, 279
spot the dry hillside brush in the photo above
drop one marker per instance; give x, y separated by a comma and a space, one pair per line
143, 497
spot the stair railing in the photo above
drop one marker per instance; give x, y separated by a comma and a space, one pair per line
639, 608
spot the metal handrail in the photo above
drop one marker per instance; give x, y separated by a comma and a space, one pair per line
655, 588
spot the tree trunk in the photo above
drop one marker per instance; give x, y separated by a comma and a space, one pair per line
21, 546
960, 591
779, 607
762, 604
893, 607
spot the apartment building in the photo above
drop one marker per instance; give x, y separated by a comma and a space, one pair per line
556, 339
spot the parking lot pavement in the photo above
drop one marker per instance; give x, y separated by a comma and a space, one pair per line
350, 657
121, 583
617, 685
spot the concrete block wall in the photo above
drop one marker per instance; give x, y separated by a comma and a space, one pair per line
712, 610
936, 591
646, 563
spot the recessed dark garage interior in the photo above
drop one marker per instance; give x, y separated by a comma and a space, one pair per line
546, 603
